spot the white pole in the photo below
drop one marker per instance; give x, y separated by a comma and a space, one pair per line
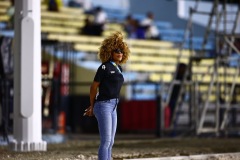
27, 130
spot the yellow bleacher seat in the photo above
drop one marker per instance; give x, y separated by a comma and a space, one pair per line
71, 23
62, 16
222, 70
55, 29
3, 11
229, 70
87, 47
76, 38
49, 22
5, 4
64, 9
184, 60
150, 43
155, 59
164, 77
167, 52
200, 69
211, 69
211, 98
150, 67
207, 78
114, 26
205, 88
204, 62
238, 98
4, 18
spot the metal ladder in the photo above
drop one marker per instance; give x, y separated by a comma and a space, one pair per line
199, 125
229, 42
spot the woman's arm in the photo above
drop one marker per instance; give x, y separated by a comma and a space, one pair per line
93, 93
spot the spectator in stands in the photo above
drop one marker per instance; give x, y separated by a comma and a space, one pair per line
87, 29
148, 20
133, 28
129, 26
108, 81
139, 31
100, 19
151, 30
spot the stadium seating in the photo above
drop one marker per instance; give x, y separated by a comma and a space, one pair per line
157, 58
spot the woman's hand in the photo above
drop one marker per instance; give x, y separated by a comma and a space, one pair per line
88, 111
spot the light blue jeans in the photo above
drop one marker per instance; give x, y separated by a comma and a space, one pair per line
106, 114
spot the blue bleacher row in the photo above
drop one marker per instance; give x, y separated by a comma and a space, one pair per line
2, 25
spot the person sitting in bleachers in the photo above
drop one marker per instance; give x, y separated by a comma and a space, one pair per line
139, 31
87, 29
151, 30
100, 19
133, 28
129, 26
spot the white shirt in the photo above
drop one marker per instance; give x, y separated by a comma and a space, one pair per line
101, 17
146, 22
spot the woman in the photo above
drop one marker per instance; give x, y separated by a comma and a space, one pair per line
105, 89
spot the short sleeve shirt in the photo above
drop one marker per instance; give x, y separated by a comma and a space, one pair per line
111, 80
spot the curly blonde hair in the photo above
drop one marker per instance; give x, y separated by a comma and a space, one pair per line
111, 43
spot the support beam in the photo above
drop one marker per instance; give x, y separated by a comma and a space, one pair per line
27, 129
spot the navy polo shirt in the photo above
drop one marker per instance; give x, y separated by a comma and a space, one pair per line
111, 80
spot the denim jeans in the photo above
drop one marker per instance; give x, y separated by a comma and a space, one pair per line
106, 114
